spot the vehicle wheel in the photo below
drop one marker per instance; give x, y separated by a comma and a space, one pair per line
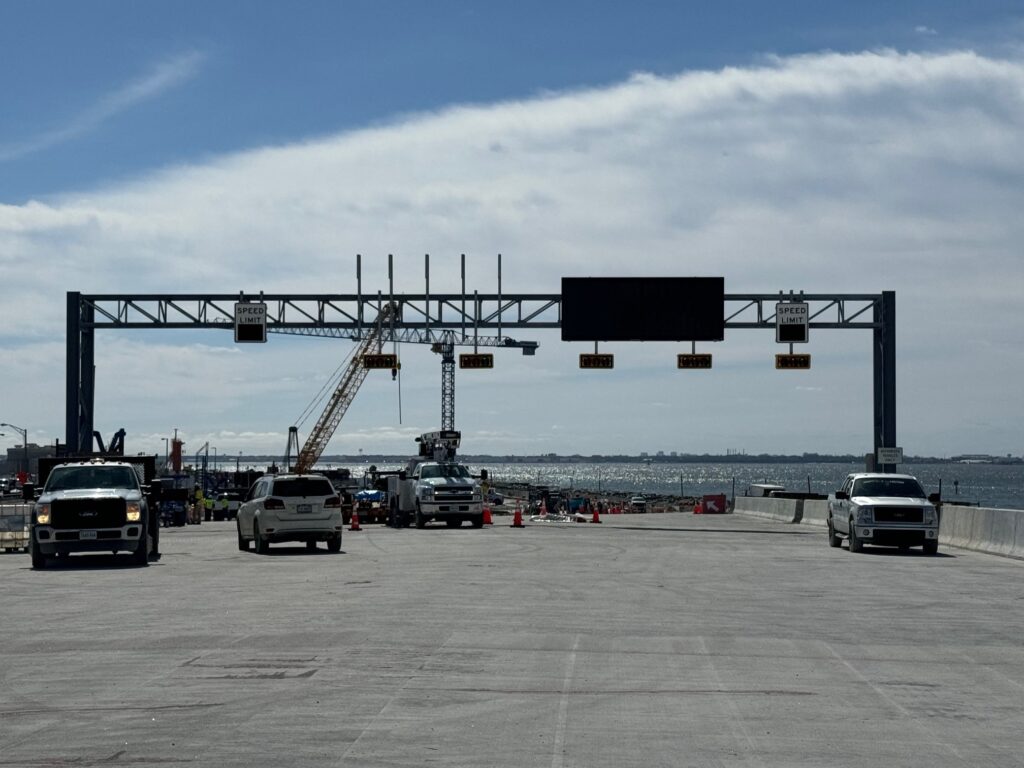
855, 543
311, 545
334, 543
243, 543
420, 521
261, 545
833, 538
453, 523
141, 554
930, 547
478, 521
38, 559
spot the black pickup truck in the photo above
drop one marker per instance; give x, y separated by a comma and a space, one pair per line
93, 505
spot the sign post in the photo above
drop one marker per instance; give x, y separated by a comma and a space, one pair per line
250, 322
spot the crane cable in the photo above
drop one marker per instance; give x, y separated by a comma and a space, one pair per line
330, 385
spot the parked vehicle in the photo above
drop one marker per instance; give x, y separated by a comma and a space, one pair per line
883, 509
290, 508
227, 504
436, 487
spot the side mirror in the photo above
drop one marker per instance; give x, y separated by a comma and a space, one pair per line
935, 498
483, 474
840, 495
28, 492
402, 475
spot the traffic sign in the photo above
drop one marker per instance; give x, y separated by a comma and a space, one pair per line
482, 360
793, 362
597, 361
378, 361
693, 361
791, 318
250, 322
890, 456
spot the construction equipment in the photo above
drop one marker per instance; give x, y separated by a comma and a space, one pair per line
341, 398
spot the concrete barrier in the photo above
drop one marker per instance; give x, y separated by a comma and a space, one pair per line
995, 531
780, 510
815, 513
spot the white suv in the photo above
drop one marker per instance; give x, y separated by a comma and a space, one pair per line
290, 508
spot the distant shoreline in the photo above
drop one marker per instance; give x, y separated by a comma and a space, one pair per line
806, 458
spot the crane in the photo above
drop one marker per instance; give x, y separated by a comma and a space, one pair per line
341, 398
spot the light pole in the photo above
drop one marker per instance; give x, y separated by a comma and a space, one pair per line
24, 441
167, 453
214, 459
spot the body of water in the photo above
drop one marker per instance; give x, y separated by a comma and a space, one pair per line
991, 485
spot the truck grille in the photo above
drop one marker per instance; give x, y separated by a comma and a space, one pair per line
88, 513
453, 494
899, 515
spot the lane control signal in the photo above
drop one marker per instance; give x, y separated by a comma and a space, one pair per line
793, 362
597, 361
374, 362
693, 361
482, 360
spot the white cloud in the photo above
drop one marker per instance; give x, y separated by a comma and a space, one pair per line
166, 75
827, 173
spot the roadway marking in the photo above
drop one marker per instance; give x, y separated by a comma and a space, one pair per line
733, 716
563, 707
896, 705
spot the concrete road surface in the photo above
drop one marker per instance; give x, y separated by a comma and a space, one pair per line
656, 640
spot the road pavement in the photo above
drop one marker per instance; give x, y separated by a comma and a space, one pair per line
649, 640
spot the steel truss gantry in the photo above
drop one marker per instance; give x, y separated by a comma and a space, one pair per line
425, 317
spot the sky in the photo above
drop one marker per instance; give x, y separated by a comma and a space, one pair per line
217, 147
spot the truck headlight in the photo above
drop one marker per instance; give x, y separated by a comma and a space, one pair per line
43, 514
929, 516
427, 492
864, 516
477, 495
134, 512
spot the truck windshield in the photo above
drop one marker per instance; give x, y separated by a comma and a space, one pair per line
444, 470
888, 486
72, 478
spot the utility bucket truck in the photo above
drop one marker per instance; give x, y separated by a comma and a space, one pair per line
434, 486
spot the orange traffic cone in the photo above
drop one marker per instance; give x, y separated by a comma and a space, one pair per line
487, 516
698, 509
597, 517
355, 521
517, 518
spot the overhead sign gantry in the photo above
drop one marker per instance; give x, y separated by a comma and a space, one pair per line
457, 317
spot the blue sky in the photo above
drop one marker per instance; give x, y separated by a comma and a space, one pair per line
218, 146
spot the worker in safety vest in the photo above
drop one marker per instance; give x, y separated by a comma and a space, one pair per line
222, 503
208, 507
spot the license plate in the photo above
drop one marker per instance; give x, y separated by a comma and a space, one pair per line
303, 507
87, 535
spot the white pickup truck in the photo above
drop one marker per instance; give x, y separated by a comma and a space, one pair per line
439, 490
885, 509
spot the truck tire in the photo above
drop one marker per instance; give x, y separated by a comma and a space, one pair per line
38, 559
334, 543
420, 521
930, 547
833, 538
140, 556
855, 543
311, 545
453, 523
478, 520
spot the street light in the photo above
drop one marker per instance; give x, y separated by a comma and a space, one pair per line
24, 440
215, 459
